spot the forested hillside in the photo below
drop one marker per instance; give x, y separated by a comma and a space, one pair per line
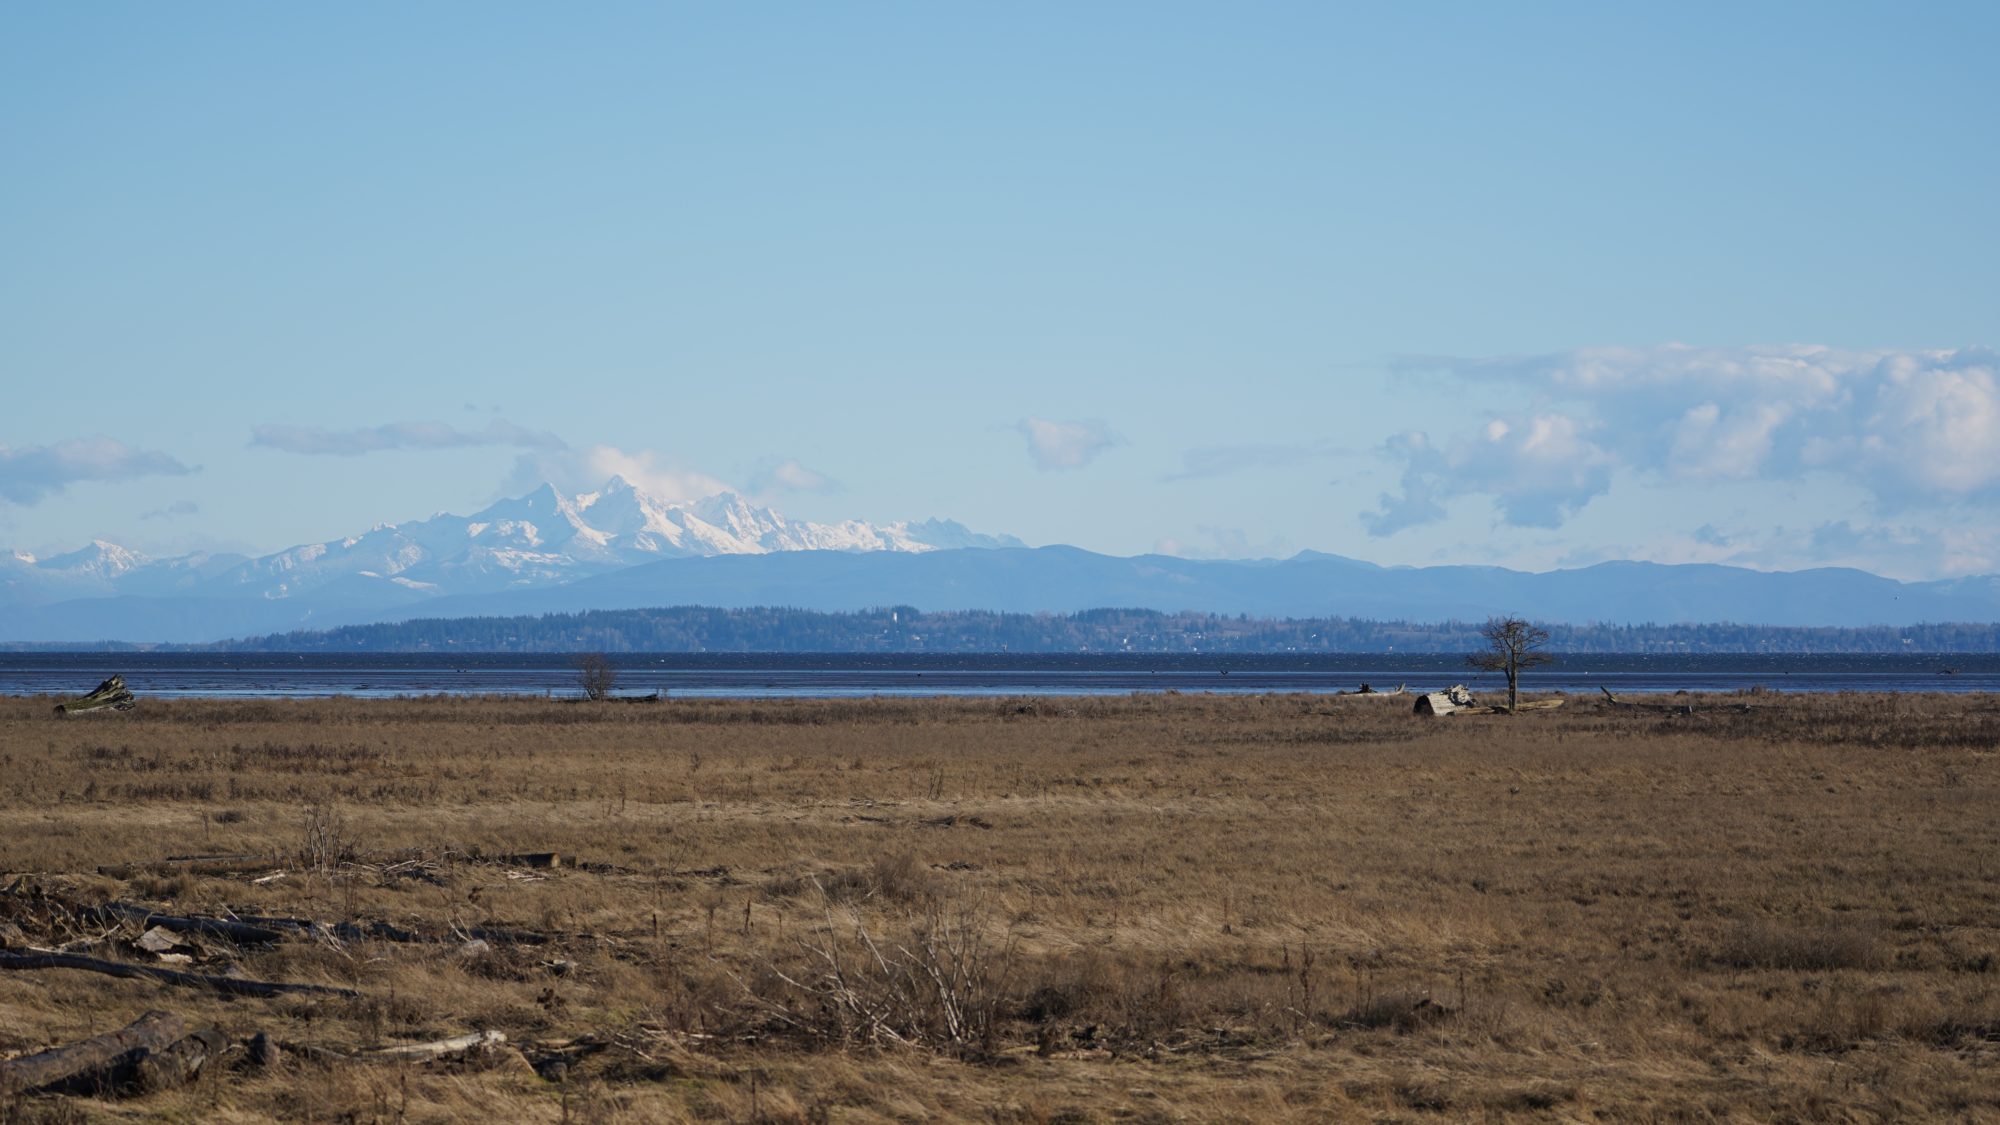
702, 629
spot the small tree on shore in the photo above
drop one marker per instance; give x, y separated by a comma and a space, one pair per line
1512, 644
595, 675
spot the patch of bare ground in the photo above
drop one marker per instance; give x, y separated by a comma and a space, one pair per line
1157, 908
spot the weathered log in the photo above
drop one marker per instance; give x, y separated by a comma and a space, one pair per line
418, 1052
1659, 708
1434, 703
110, 695
405, 1052
217, 865
99, 1054
1449, 701
10, 959
385, 931
179, 1061
507, 937
238, 932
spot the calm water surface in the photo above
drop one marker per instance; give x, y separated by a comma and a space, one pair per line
848, 675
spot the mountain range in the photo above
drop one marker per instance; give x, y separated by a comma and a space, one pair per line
619, 548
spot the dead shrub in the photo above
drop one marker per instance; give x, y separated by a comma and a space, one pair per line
939, 986
323, 840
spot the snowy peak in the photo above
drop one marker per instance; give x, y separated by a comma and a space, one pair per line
542, 538
99, 560
949, 535
624, 522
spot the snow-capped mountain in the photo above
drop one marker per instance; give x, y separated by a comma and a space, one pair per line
539, 539
100, 560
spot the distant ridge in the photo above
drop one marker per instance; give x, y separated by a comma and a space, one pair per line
902, 629
1069, 580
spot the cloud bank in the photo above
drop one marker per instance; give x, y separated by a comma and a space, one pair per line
31, 474
1911, 428
587, 468
1058, 446
315, 440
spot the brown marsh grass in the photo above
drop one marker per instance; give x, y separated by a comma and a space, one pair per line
1154, 908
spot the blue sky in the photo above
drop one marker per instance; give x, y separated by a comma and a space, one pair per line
1533, 284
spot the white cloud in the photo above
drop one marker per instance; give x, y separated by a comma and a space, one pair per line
1065, 445
789, 475
398, 436
31, 474
1911, 428
1417, 503
1539, 470
583, 470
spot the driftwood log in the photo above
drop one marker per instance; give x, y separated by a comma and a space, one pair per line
220, 865
1707, 707
12, 959
402, 1052
386, 931
180, 1061
154, 1052
418, 1052
152, 1031
239, 932
110, 695
266, 929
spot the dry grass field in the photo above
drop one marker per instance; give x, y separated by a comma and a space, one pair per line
1157, 908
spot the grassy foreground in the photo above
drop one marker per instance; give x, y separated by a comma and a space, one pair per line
1157, 908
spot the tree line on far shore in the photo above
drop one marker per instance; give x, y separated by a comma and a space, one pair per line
905, 630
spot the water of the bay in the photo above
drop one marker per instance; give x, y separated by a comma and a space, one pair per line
833, 675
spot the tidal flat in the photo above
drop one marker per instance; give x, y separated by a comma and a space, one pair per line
1156, 907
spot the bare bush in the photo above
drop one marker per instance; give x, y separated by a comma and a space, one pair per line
596, 675
939, 987
323, 840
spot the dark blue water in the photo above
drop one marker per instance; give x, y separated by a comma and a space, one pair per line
847, 674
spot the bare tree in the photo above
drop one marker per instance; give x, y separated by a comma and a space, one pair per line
595, 675
1512, 644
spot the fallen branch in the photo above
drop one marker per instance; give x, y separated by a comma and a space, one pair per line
10, 959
